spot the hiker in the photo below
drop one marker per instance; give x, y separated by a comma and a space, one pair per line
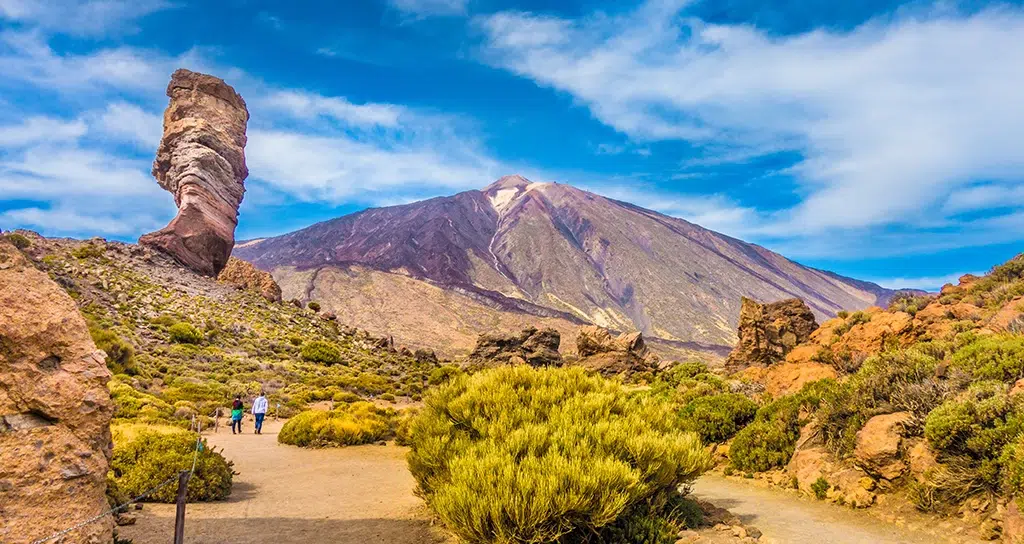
236, 414
259, 411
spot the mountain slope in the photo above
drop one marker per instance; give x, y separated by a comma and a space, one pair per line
543, 249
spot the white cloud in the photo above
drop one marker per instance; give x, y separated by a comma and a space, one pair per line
309, 106
128, 122
69, 221
39, 128
81, 17
425, 8
927, 283
891, 118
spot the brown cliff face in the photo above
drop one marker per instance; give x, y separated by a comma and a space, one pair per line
54, 411
244, 275
201, 161
531, 346
624, 354
768, 332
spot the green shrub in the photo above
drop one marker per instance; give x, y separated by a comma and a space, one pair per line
145, 456
843, 314
443, 374
19, 241
346, 425
185, 333
517, 454
315, 306
88, 250
717, 418
856, 318
318, 351
763, 445
974, 429
994, 357
820, 488
120, 354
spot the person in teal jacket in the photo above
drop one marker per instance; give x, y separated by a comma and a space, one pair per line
237, 409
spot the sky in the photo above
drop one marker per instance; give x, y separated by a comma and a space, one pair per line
881, 140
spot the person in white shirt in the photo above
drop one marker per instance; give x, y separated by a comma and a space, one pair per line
259, 411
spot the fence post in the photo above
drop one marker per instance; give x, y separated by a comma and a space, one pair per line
179, 517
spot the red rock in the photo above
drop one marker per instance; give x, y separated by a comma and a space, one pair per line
767, 332
244, 275
54, 411
878, 445
201, 161
624, 354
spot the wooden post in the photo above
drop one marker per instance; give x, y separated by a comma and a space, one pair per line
179, 517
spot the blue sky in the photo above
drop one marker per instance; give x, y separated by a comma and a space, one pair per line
878, 139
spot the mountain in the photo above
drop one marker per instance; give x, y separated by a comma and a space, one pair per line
438, 272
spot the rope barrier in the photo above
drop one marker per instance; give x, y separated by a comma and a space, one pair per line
147, 493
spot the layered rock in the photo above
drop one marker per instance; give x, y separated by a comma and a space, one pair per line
767, 332
244, 275
54, 411
201, 161
532, 346
608, 355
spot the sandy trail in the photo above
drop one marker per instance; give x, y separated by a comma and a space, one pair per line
785, 517
286, 495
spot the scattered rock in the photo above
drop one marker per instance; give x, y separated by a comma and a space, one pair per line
425, 356
878, 445
920, 458
244, 275
767, 332
201, 161
532, 346
55, 435
124, 520
624, 354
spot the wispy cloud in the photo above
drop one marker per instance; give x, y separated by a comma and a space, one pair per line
930, 283
81, 17
893, 119
427, 8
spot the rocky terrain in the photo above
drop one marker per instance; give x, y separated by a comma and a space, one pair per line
201, 161
54, 411
519, 253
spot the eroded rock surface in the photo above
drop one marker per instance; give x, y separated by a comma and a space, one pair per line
601, 352
767, 332
54, 411
878, 445
201, 161
244, 275
532, 346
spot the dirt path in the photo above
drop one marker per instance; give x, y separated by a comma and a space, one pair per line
783, 517
289, 495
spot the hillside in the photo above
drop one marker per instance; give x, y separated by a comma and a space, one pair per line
438, 272
179, 343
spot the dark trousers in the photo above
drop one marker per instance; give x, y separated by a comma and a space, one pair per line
236, 423
259, 423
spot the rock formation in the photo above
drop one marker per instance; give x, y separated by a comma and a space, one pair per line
244, 275
533, 347
54, 411
878, 445
611, 356
767, 332
201, 161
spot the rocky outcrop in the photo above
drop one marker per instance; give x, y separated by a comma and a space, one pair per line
878, 445
532, 346
767, 332
54, 411
811, 461
201, 161
788, 378
608, 355
244, 275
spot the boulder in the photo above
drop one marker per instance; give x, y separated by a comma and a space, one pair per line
201, 161
878, 445
920, 458
244, 275
767, 332
54, 411
601, 352
531, 346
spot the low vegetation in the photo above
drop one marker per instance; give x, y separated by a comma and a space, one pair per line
517, 454
146, 455
346, 425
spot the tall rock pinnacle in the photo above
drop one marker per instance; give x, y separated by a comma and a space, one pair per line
201, 161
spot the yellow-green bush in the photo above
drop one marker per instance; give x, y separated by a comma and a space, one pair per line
519, 455
994, 357
347, 425
318, 351
717, 418
185, 333
132, 404
145, 456
19, 241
